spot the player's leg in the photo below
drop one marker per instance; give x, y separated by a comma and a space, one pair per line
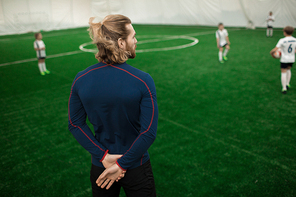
227, 47
46, 71
289, 75
139, 182
267, 32
97, 191
40, 66
220, 55
284, 77
44, 66
284, 80
271, 32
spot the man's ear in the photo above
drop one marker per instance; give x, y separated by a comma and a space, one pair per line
121, 43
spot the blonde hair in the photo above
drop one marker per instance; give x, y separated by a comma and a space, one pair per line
105, 35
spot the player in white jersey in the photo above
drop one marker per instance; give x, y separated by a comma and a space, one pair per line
222, 41
269, 20
39, 47
287, 46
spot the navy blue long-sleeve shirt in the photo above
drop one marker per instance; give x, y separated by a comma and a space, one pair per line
120, 102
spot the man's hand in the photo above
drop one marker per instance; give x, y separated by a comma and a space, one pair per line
109, 176
109, 160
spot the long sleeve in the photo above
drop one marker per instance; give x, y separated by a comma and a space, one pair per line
148, 121
78, 127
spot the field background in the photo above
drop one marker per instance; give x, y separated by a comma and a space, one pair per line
224, 129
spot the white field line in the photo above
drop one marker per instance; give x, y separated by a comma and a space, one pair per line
195, 41
208, 32
202, 33
158, 39
32, 37
63, 34
144, 50
35, 59
267, 160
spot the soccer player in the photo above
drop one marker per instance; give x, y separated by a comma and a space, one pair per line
222, 42
39, 47
120, 102
269, 20
287, 46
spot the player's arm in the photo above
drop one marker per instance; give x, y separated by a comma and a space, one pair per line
217, 39
36, 48
78, 127
277, 46
218, 45
148, 121
273, 50
227, 40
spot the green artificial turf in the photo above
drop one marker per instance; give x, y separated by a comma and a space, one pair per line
224, 129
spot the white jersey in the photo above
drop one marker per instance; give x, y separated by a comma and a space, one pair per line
270, 20
287, 46
39, 44
221, 35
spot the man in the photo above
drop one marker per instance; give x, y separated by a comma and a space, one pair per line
269, 20
120, 102
287, 46
222, 42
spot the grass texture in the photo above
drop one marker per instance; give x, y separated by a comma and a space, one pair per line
224, 129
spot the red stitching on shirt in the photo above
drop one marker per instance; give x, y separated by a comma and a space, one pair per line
151, 102
104, 156
142, 159
131, 75
120, 166
69, 107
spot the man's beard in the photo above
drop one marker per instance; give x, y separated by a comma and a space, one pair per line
131, 52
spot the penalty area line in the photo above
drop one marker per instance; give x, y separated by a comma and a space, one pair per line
35, 59
267, 160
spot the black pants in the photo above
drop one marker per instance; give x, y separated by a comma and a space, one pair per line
137, 182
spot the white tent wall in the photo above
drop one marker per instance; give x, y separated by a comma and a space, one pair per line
81, 12
283, 10
21, 16
102, 8
211, 12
